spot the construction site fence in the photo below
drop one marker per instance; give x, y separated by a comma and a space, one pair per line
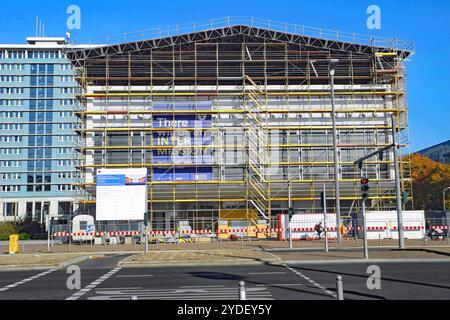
243, 229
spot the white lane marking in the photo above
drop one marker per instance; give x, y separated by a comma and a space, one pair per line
121, 288
311, 281
94, 284
199, 293
279, 285
262, 273
18, 283
135, 276
201, 286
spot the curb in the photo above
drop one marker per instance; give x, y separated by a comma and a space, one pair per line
363, 261
72, 261
275, 262
29, 268
62, 265
352, 248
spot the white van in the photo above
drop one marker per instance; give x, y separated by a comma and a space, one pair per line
83, 223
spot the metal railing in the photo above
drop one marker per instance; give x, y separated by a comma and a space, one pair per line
274, 25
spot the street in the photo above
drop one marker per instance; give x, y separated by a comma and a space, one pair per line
102, 280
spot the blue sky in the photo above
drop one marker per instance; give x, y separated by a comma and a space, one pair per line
427, 23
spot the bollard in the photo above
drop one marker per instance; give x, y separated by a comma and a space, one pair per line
134, 298
379, 240
290, 238
339, 288
242, 295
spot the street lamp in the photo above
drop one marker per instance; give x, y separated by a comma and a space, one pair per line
332, 71
443, 195
398, 196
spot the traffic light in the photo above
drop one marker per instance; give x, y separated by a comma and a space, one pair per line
404, 197
146, 219
364, 188
322, 200
290, 213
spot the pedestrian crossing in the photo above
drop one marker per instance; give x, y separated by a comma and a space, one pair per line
181, 293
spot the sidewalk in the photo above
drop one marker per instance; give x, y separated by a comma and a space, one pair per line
219, 245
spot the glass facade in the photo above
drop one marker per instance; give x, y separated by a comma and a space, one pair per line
37, 138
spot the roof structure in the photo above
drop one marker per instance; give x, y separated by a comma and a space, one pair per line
264, 30
442, 144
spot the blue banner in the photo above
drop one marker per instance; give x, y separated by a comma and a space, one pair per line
183, 174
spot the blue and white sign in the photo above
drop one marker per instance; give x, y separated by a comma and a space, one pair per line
121, 194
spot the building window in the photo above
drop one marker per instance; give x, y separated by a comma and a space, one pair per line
10, 164
10, 138
10, 188
17, 54
11, 114
10, 209
11, 103
10, 151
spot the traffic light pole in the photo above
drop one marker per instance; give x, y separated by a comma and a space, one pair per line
289, 216
146, 232
398, 196
363, 213
324, 204
332, 72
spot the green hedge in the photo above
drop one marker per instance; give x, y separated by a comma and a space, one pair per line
8, 228
22, 236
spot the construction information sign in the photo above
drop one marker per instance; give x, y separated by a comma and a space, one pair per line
121, 194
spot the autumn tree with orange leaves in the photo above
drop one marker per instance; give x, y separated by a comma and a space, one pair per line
429, 179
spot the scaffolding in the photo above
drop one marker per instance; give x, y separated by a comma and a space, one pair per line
223, 123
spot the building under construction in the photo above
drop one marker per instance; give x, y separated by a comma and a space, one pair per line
234, 119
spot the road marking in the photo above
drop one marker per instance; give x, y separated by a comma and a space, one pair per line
135, 276
198, 293
201, 286
18, 283
121, 288
262, 273
94, 284
279, 285
311, 281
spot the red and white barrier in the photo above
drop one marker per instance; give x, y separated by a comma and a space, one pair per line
409, 228
439, 227
196, 232
126, 233
245, 230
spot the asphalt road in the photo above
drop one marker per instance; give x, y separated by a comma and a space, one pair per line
102, 280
